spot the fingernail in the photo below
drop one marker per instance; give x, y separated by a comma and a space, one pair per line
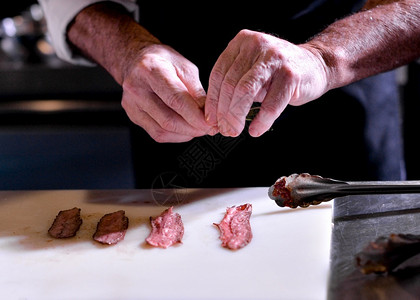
226, 129
210, 121
253, 132
213, 131
222, 127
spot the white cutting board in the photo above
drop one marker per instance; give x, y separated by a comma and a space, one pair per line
288, 257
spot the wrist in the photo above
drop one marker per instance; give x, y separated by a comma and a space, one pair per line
332, 62
108, 35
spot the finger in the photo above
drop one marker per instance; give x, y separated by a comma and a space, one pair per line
274, 103
228, 121
190, 78
158, 133
142, 119
250, 88
173, 92
164, 118
217, 76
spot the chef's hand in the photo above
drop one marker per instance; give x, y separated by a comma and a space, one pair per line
162, 93
256, 67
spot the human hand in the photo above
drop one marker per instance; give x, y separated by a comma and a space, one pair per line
162, 93
257, 67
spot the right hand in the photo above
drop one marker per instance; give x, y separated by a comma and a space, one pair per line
258, 67
162, 93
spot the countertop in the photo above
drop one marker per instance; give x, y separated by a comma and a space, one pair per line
304, 253
288, 257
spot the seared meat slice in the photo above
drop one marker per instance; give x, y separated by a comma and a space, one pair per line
167, 229
66, 224
111, 228
235, 228
387, 253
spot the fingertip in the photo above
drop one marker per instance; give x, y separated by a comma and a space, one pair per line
254, 133
227, 130
213, 131
255, 130
211, 121
210, 108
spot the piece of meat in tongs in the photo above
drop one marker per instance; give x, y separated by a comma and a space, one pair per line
387, 253
305, 189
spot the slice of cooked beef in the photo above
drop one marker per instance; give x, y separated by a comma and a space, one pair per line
235, 228
386, 253
111, 228
66, 224
167, 229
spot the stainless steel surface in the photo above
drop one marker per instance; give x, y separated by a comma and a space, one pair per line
384, 209
306, 189
358, 220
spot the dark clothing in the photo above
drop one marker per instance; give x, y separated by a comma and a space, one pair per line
202, 33
352, 133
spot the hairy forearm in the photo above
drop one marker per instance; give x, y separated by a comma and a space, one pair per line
383, 36
108, 35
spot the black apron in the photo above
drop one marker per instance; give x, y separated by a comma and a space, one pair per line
351, 133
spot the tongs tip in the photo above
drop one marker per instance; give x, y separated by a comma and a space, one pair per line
300, 190
278, 199
305, 189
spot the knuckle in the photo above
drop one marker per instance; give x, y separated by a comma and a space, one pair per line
124, 104
147, 63
159, 135
211, 102
175, 101
239, 110
289, 73
169, 124
253, 39
191, 69
228, 87
188, 70
216, 76
245, 33
271, 109
150, 63
248, 86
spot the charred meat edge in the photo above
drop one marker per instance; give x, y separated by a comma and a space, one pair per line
111, 228
66, 224
387, 253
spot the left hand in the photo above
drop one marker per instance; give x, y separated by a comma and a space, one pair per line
257, 67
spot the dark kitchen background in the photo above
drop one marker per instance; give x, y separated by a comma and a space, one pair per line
62, 126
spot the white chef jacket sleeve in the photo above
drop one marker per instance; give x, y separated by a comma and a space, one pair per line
58, 15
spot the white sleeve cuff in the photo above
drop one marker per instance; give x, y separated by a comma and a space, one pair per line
58, 15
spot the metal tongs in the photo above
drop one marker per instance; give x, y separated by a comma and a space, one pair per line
305, 189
